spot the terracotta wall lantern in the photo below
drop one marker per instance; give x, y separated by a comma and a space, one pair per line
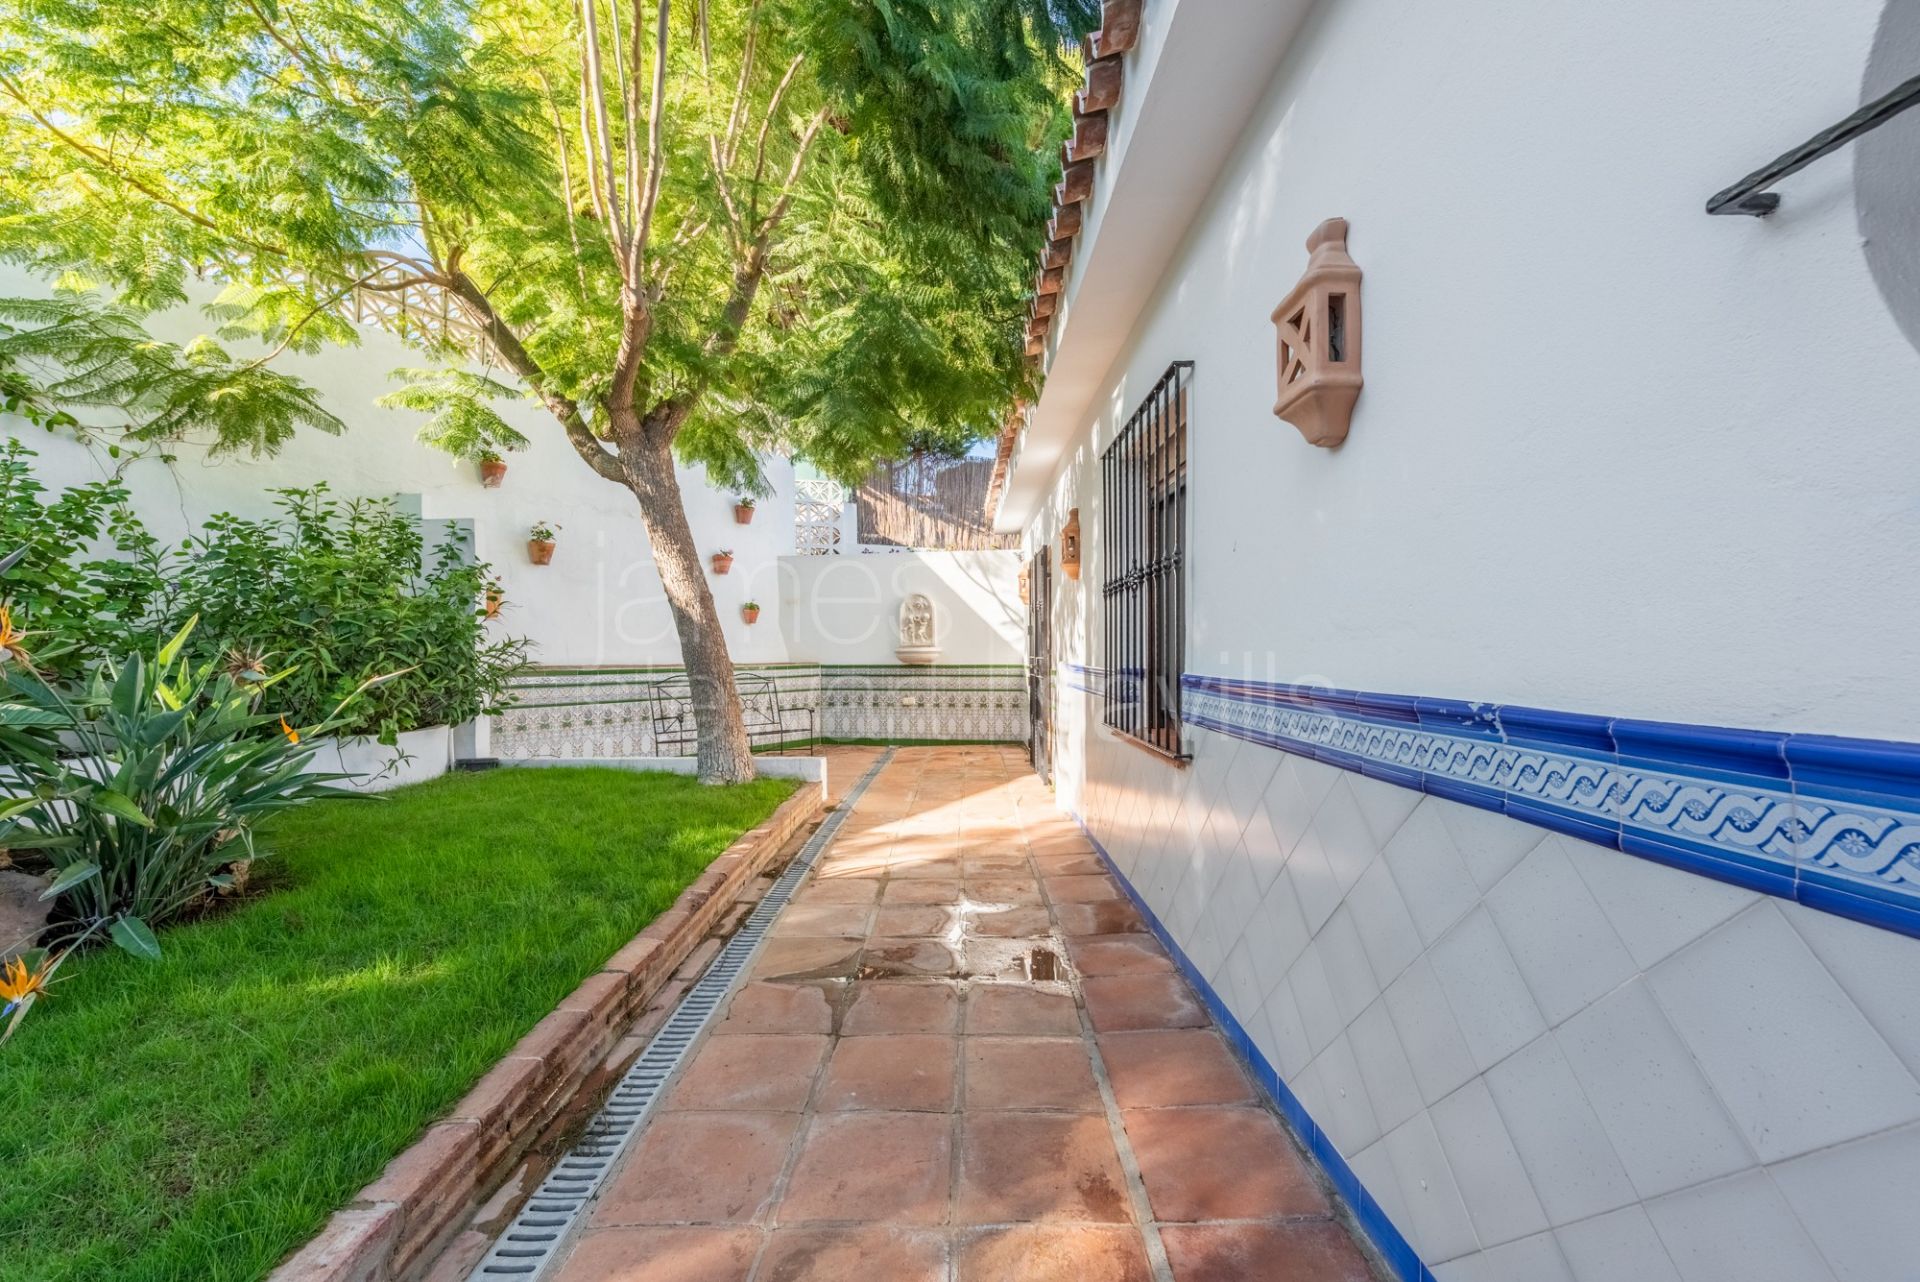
1070, 546
1319, 324
1026, 592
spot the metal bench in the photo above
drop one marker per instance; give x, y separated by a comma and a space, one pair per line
770, 719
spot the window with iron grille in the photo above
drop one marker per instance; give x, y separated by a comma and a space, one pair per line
1143, 482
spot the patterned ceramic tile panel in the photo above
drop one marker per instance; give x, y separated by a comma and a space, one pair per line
612, 712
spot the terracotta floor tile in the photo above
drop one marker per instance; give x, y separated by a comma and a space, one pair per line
1119, 1002
1173, 1068
1107, 917
1010, 923
871, 1166
1053, 1253
1078, 889
807, 959
699, 1168
1118, 955
840, 890
826, 919
1069, 865
751, 1073
1030, 1072
880, 1009
926, 920
778, 1008
883, 1253
1039, 1167
1015, 1009
916, 867
932, 890
908, 959
1220, 1164
896, 1074
996, 866
1309, 1252
1010, 891
662, 1255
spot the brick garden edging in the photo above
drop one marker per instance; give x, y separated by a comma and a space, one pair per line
395, 1225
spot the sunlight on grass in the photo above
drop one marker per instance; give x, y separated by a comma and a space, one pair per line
198, 1117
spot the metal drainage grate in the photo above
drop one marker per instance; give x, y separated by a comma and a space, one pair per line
528, 1245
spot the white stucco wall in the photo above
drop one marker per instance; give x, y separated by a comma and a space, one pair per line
846, 609
1613, 456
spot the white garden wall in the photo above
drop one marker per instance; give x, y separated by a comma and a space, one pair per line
1613, 456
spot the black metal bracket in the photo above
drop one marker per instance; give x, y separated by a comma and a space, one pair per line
1749, 195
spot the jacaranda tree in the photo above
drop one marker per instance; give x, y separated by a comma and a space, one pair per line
693, 229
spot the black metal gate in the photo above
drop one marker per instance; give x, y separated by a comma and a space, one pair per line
1040, 661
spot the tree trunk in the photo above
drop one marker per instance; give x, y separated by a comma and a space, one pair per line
725, 753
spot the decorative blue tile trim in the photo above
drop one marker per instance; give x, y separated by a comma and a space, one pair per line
1829, 822
1367, 1211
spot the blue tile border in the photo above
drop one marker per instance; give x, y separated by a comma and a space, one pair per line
1829, 822
1367, 1212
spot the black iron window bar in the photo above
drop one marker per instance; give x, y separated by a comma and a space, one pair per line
1749, 195
1143, 486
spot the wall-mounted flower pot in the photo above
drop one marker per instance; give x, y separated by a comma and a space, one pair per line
540, 551
743, 513
495, 599
751, 613
492, 472
722, 562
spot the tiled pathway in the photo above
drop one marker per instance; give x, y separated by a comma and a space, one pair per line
961, 1059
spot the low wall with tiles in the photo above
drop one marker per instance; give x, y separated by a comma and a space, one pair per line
1555, 999
611, 712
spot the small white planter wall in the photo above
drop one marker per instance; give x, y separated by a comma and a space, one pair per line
418, 755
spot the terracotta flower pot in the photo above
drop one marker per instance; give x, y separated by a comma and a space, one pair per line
751, 613
722, 562
492, 472
743, 513
540, 551
495, 599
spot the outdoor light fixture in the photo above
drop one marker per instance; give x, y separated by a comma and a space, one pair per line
1319, 324
1070, 546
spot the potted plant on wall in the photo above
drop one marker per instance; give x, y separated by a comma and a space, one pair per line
723, 561
496, 597
750, 612
493, 469
540, 543
743, 509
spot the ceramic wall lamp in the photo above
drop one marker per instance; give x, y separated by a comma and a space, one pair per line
1070, 546
1319, 324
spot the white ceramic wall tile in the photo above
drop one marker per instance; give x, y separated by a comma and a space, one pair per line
1857, 1203
1291, 798
1314, 996
1263, 848
1493, 1004
1534, 1259
1374, 1168
1247, 779
1313, 879
1661, 1116
1349, 1121
1278, 931
1238, 983
1346, 839
1493, 1182
1290, 1050
1436, 1219
1236, 896
1793, 1059
1653, 908
1386, 929
1428, 1030
1349, 973
1490, 843
1385, 806
1384, 1067
1875, 967
1431, 873
1737, 1230
1574, 1169
1557, 934
1620, 1246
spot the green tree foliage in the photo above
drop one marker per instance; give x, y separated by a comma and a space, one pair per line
702, 228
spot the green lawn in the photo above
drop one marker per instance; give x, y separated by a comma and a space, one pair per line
194, 1119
